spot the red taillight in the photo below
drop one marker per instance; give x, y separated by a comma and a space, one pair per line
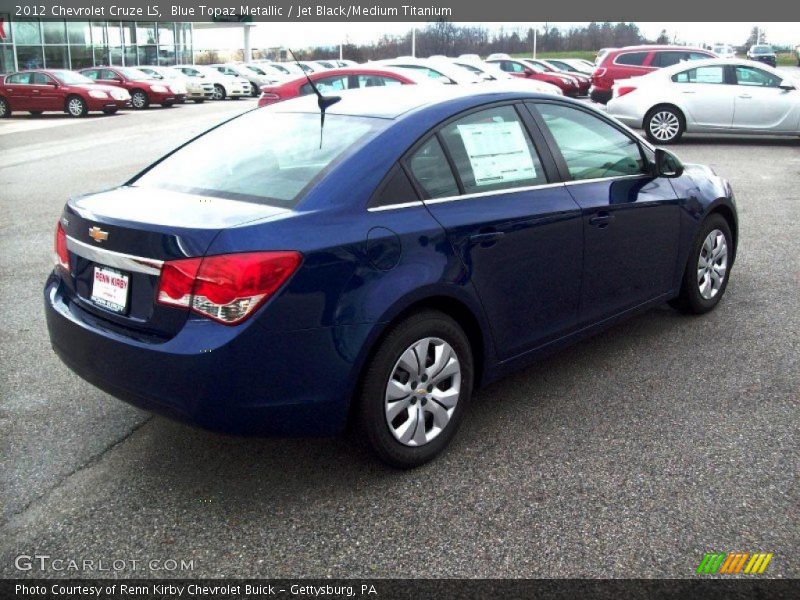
625, 89
61, 256
227, 287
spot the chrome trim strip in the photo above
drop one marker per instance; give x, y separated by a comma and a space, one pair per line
615, 177
494, 192
126, 262
394, 206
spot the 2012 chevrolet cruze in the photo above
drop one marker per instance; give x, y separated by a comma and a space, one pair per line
273, 276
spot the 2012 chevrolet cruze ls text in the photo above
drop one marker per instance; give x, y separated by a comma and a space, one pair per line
274, 277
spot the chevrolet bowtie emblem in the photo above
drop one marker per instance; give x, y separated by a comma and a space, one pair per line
97, 234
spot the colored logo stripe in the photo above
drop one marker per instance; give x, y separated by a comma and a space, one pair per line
732, 563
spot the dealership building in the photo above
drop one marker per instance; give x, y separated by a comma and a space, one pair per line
60, 44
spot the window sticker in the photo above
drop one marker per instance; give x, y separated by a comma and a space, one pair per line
498, 152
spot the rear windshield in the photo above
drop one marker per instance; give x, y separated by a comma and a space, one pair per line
761, 50
262, 156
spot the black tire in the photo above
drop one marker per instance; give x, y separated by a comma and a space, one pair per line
5, 109
139, 100
690, 300
36, 113
110, 111
372, 421
659, 114
76, 107
219, 92
255, 91
199, 100
167, 104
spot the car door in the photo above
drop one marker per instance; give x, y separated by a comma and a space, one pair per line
760, 102
18, 91
516, 230
50, 94
631, 219
706, 96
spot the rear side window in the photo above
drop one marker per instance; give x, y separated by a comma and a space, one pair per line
396, 190
432, 171
19, 78
635, 59
669, 58
591, 147
491, 151
91, 74
715, 74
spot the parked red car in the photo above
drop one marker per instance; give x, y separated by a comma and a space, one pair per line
144, 90
334, 80
58, 90
632, 61
518, 68
583, 81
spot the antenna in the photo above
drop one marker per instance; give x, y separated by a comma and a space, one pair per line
324, 102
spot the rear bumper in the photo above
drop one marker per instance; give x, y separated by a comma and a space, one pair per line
242, 380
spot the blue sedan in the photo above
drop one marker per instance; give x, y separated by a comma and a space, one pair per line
274, 276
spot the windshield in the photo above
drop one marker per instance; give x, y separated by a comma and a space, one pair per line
256, 70
281, 69
71, 78
133, 73
761, 50
261, 156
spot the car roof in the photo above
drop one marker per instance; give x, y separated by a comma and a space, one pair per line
691, 64
394, 102
649, 47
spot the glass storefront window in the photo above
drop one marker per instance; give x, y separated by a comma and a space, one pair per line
184, 32
101, 56
114, 34
166, 34
148, 55
81, 57
30, 57
128, 33
166, 55
130, 56
115, 55
27, 32
56, 57
79, 33
54, 32
6, 59
184, 56
99, 33
145, 33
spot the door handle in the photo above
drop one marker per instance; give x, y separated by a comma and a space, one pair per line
601, 220
486, 238
745, 96
687, 92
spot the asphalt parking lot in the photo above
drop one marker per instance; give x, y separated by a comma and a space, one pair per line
629, 455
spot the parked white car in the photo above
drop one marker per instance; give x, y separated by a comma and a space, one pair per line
290, 69
255, 78
724, 50
709, 96
442, 71
197, 90
491, 72
225, 86
570, 65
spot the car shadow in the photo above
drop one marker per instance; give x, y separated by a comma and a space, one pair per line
243, 471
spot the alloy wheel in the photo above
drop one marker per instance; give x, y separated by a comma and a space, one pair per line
75, 107
664, 125
422, 391
138, 100
219, 92
3, 108
712, 264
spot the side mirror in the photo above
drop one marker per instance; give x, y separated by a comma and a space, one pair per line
667, 164
787, 85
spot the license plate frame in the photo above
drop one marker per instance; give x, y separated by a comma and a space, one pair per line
110, 289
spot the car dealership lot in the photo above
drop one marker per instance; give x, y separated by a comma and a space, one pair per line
630, 454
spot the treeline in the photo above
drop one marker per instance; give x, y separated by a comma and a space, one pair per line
443, 37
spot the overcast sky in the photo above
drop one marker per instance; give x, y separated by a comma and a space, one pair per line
302, 35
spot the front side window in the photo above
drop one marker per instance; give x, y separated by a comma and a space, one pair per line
262, 156
364, 81
491, 151
756, 77
432, 171
715, 74
40, 79
591, 147
635, 59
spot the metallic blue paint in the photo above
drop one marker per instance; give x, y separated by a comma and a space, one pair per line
555, 276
